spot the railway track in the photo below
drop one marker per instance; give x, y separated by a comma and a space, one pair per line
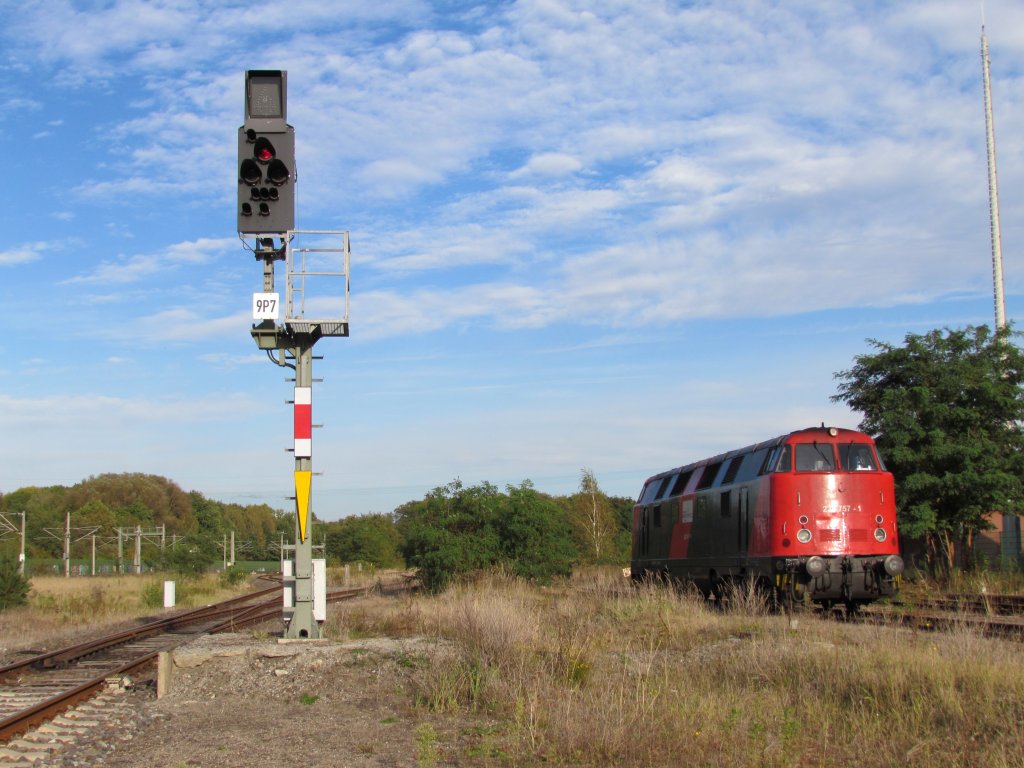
988, 605
999, 616
39, 688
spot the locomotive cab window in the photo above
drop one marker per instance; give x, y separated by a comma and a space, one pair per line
649, 490
815, 457
857, 457
781, 459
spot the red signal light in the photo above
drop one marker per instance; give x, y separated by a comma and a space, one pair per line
264, 150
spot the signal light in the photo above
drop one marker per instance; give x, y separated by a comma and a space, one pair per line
266, 175
249, 172
266, 157
277, 172
264, 150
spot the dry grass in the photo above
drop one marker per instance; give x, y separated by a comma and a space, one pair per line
62, 609
594, 674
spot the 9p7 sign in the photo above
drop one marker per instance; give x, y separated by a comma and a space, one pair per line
266, 306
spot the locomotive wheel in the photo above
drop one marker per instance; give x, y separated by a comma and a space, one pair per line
718, 588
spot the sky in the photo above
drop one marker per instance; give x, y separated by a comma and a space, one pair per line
618, 236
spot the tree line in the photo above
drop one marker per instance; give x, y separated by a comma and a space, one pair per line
100, 505
473, 527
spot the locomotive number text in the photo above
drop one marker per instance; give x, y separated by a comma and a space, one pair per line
839, 509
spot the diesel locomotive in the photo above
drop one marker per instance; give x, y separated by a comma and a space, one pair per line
809, 515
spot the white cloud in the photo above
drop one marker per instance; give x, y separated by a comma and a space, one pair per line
132, 269
549, 164
24, 254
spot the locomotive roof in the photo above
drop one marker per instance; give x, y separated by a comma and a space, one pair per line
822, 431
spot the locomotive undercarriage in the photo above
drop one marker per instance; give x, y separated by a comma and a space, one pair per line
826, 581
844, 579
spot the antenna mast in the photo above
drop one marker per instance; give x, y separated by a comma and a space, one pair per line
993, 192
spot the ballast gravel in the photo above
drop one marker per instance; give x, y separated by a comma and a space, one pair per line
248, 700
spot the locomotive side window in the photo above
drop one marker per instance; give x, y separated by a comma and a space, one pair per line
783, 461
732, 470
815, 457
768, 465
708, 478
854, 457
663, 487
680, 484
649, 490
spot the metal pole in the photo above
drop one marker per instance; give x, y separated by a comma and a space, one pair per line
137, 560
993, 192
94, 554
120, 553
21, 556
67, 545
231, 562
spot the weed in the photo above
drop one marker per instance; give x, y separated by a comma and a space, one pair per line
308, 699
152, 595
427, 750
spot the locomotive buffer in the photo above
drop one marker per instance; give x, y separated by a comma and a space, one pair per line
266, 226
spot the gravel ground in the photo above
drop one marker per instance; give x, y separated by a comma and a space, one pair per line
245, 700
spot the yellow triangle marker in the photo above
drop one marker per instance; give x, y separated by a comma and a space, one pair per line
303, 478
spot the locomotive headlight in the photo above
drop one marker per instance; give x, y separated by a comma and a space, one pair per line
803, 535
879, 534
815, 566
893, 565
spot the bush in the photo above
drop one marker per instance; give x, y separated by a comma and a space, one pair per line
13, 586
456, 531
152, 595
231, 577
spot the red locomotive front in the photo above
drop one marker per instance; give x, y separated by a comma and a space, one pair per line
810, 513
831, 521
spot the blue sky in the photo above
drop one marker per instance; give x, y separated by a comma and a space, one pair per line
615, 235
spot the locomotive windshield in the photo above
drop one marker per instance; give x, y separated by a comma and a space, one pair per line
857, 457
815, 457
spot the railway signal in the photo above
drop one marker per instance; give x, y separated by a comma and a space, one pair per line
283, 329
266, 156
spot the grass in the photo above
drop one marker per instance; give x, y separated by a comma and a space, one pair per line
593, 673
60, 607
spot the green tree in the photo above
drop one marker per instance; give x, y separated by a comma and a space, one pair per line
191, 556
450, 532
366, 538
945, 409
593, 520
534, 534
456, 530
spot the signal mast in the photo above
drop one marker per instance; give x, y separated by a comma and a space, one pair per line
266, 226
